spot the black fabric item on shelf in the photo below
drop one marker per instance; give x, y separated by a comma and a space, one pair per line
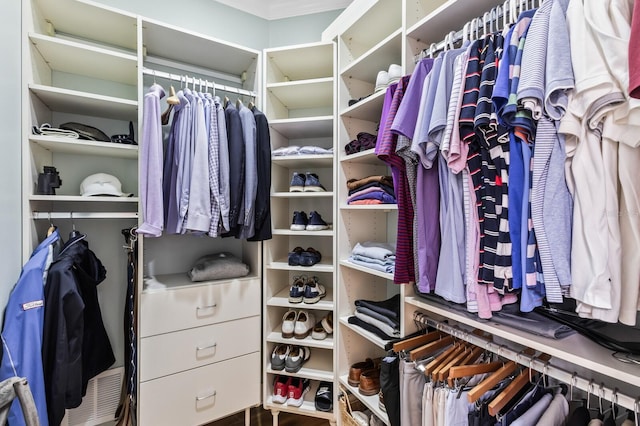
616, 337
390, 385
357, 321
389, 307
532, 322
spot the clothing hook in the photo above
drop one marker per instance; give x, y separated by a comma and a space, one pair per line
73, 224
589, 392
574, 381
600, 396
636, 409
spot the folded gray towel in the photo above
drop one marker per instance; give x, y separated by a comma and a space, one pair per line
218, 266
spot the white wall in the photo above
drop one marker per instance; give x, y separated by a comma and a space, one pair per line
10, 201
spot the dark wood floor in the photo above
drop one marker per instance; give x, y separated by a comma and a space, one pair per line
262, 417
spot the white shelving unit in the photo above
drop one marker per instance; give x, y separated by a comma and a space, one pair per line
299, 96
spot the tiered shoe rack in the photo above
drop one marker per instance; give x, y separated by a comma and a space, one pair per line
299, 96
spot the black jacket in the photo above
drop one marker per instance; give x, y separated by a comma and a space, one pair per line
75, 345
263, 197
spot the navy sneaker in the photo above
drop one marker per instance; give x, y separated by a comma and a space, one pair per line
313, 291
298, 289
309, 257
294, 256
315, 222
312, 183
297, 182
299, 222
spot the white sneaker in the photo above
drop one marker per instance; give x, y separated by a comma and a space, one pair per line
304, 324
395, 73
288, 323
382, 81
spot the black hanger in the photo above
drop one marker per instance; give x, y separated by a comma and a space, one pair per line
74, 233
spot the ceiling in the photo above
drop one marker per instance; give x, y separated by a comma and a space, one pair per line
278, 9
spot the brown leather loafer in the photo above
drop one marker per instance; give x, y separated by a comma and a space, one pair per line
369, 382
357, 369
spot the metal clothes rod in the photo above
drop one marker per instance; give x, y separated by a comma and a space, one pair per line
589, 386
84, 215
196, 81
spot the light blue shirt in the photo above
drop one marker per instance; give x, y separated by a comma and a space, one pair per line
22, 331
223, 157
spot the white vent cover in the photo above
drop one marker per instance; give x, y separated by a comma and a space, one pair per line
100, 403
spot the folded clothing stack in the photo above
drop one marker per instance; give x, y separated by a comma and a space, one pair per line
378, 256
371, 190
218, 266
381, 318
362, 142
301, 150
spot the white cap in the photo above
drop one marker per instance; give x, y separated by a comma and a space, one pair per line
102, 184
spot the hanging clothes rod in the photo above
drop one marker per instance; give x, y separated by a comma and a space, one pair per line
590, 386
196, 81
83, 215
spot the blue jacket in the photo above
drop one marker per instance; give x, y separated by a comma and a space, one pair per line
22, 330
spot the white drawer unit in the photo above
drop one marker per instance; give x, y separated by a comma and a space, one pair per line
172, 309
196, 396
170, 353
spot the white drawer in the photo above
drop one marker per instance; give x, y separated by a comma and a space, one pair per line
203, 394
170, 353
175, 309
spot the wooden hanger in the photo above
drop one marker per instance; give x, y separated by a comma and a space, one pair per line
464, 358
173, 99
251, 105
444, 358
510, 392
416, 341
471, 370
430, 348
458, 354
488, 383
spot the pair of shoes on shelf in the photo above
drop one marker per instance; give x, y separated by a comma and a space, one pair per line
324, 397
307, 290
298, 324
366, 375
290, 358
314, 222
385, 78
301, 257
362, 142
307, 182
323, 328
290, 390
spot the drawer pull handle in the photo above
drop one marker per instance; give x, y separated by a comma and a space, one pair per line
202, 348
201, 398
202, 308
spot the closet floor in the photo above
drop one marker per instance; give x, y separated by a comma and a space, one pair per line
262, 417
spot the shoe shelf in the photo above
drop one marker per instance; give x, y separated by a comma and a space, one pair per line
303, 94
371, 402
276, 337
78, 102
378, 58
301, 62
347, 264
344, 322
56, 144
281, 299
304, 127
328, 194
88, 21
307, 408
367, 108
319, 366
575, 349
87, 60
326, 233
325, 265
